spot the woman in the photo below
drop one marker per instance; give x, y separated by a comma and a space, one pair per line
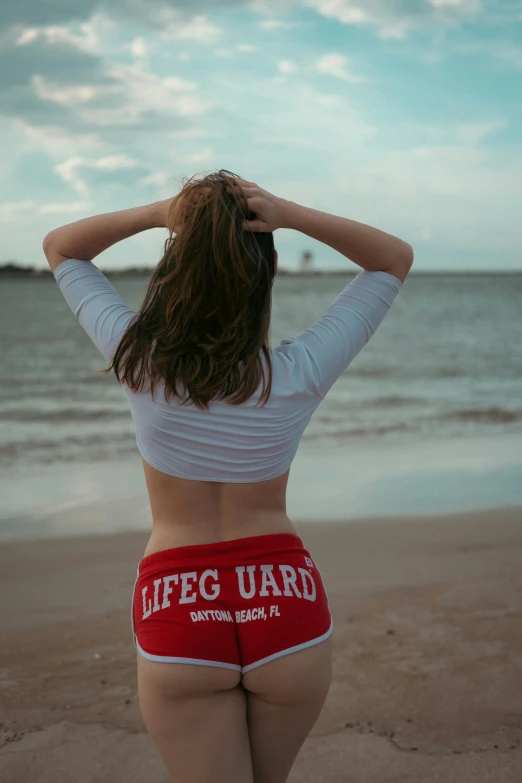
229, 613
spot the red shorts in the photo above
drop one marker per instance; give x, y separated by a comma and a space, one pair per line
235, 604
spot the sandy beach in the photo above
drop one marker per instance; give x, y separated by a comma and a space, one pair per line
427, 667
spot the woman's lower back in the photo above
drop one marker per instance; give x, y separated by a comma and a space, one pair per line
186, 512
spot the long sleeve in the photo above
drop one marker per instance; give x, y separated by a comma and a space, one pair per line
334, 341
97, 306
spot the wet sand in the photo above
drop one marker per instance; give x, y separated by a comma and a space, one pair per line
427, 664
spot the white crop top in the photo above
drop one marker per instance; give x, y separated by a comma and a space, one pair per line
235, 443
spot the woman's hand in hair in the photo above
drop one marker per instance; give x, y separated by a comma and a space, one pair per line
269, 210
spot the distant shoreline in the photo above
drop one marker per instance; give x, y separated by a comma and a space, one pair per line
18, 272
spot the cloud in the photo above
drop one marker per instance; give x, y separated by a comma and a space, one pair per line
68, 171
55, 141
189, 133
51, 76
115, 162
87, 41
204, 155
286, 66
467, 6
275, 24
196, 29
156, 14
54, 79
337, 65
83, 175
395, 18
502, 50
271, 8
68, 95
32, 75
139, 47
287, 140
13, 210
326, 120
175, 83
468, 133
472, 132
63, 207
157, 178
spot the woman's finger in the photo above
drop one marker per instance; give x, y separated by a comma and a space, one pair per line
255, 225
244, 188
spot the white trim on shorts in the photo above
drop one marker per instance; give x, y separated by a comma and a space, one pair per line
196, 661
132, 606
289, 650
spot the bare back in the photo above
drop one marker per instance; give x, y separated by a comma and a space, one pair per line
187, 512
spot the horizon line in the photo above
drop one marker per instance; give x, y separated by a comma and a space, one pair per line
15, 269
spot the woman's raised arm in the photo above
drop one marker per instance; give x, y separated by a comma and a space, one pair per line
87, 238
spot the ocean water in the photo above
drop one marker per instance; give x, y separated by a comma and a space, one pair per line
444, 365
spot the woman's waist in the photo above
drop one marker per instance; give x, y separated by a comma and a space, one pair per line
173, 532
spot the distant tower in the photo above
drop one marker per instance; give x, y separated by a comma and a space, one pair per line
306, 261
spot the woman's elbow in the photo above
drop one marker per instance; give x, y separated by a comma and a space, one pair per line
409, 254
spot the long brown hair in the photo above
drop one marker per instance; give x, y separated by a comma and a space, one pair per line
206, 312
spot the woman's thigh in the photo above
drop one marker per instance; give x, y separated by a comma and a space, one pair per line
285, 698
197, 718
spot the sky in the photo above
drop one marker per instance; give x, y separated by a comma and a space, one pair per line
403, 114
